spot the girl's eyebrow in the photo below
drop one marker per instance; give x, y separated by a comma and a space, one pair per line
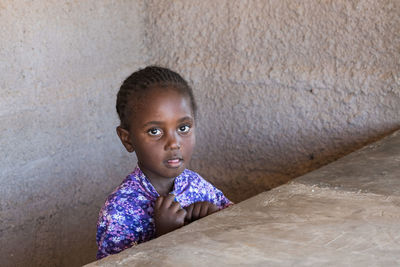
187, 118
152, 123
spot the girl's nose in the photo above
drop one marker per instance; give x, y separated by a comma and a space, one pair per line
172, 142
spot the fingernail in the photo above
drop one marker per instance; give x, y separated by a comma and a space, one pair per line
174, 196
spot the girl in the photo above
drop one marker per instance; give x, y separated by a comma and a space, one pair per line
157, 110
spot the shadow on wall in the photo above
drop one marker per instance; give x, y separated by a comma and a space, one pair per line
255, 175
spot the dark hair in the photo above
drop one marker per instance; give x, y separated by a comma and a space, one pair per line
140, 81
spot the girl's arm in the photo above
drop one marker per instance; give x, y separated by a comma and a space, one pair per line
121, 226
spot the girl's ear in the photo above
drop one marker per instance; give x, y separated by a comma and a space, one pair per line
125, 140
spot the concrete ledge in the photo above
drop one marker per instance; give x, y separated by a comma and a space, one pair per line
346, 213
374, 168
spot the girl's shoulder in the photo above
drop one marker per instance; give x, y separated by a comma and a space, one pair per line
192, 176
196, 188
131, 192
188, 172
196, 180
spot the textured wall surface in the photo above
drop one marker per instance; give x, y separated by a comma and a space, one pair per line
61, 64
283, 86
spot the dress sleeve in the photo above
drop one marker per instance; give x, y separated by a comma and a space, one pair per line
213, 194
121, 225
219, 199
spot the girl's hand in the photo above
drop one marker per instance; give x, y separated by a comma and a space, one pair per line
199, 210
168, 215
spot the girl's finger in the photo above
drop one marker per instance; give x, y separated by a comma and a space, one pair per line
168, 201
212, 208
159, 202
204, 209
175, 206
189, 210
196, 211
181, 214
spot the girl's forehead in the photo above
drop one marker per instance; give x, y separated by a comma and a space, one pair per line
159, 101
158, 95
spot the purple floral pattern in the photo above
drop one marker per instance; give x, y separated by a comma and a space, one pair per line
126, 218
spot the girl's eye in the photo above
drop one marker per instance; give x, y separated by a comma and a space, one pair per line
154, 132
184, 128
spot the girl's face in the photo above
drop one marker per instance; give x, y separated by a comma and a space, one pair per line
162, 133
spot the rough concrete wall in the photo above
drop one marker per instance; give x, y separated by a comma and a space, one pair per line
283, 86
61, 64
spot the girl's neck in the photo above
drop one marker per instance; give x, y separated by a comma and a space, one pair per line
163, 186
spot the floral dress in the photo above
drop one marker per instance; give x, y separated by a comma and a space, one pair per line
126, 218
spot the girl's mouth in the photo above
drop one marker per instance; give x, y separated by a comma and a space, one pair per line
174, 163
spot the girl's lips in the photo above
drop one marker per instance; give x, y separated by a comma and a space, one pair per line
174, 163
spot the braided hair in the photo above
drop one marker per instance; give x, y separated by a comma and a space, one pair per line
139, 82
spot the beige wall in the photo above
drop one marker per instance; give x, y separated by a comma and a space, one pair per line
283, 87
61, 62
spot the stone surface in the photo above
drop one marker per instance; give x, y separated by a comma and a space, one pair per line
375, 169
298, 224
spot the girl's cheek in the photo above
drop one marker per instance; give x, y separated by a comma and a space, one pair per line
191, 142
